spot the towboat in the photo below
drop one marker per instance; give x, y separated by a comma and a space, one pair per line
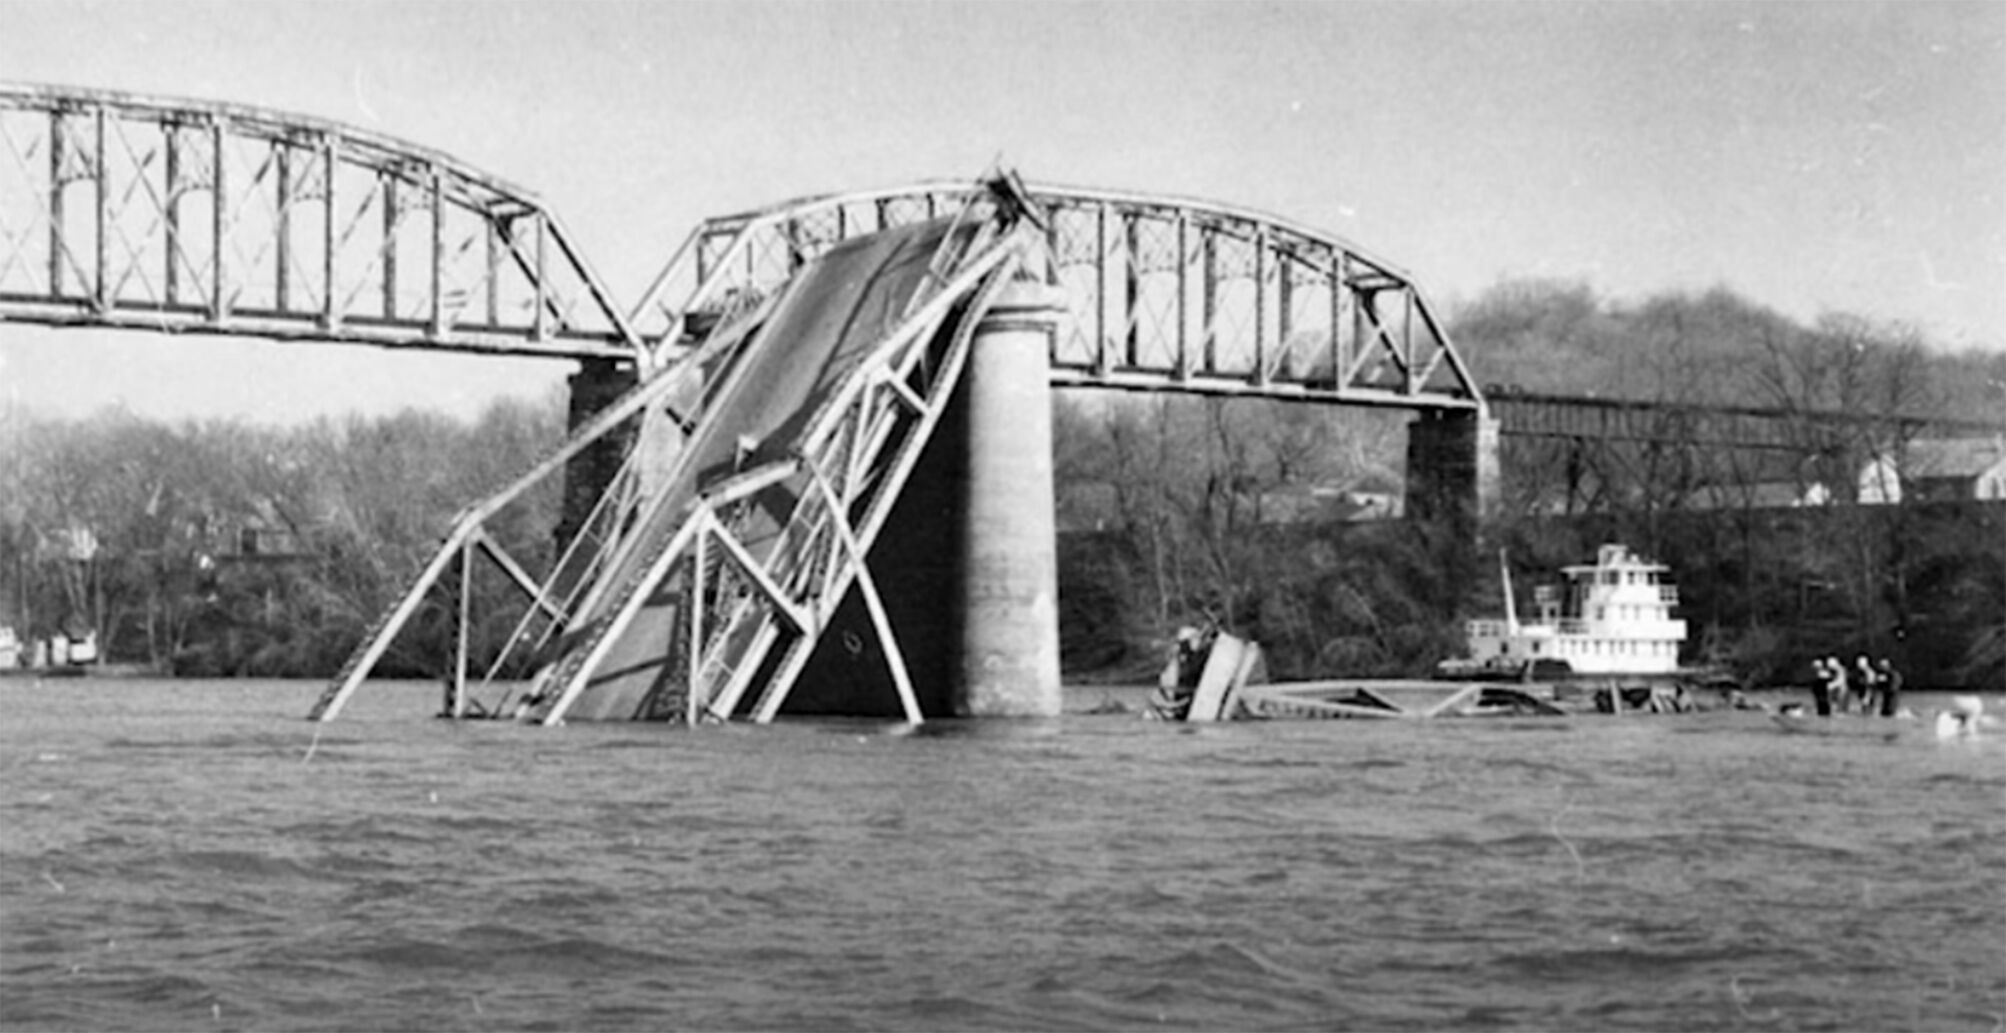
1612, 618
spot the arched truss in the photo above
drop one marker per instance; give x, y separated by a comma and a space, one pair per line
1166, 294
180, 215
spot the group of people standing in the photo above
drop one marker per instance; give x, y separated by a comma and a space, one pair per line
1868, 689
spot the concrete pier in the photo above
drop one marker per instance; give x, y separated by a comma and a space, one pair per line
1452, 467
597, 384
1009, 657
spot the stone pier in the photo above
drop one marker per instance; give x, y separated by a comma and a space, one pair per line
1452, 467
597, 384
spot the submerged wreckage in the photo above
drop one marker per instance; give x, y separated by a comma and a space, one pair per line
1216, 676
1606, 642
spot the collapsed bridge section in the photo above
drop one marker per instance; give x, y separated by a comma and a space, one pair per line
833, 485
732, 549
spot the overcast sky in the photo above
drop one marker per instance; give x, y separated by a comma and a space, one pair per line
1813, 157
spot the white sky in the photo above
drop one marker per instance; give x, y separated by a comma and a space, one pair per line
1812, 157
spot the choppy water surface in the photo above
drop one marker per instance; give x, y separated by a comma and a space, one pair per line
173, 858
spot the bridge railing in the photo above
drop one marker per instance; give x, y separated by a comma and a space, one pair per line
179, 215
1164, 293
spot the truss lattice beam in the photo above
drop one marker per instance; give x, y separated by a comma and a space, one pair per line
185, 216
1164, 293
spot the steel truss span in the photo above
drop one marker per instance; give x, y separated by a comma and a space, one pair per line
175, 215
1165, 294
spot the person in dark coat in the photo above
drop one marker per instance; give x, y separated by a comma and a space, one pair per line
1891, 688
1821, 688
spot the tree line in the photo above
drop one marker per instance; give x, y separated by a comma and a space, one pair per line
223, 548
1235, 511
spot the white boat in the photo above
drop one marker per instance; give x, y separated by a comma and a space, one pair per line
1612, 617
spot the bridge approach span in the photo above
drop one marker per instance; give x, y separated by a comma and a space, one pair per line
1527, 414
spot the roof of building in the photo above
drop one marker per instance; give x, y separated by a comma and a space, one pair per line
1954, 457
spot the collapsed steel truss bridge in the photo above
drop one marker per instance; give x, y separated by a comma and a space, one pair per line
734, 595
171, 215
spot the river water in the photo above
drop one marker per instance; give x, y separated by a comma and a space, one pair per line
194, 855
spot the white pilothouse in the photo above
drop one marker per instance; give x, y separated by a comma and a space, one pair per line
1611, 617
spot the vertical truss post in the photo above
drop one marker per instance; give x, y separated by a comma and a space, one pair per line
1285, 300
1209, 313
1260, 306
1183, 288
388, 250
171, 218
100, 176
438, 317
1362, 346
1412, 384
1101, 362
281, 293
330, 313
219, 225
1334, 272
541, 331
491, 227
56, 148
1131, 232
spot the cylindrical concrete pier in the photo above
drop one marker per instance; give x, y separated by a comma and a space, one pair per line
1009, 663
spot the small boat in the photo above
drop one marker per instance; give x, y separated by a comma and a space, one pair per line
1613, 617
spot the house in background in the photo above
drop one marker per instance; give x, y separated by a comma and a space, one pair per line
1881, 482
1955, 469
1937, 470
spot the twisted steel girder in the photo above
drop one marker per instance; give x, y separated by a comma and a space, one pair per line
179, 215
